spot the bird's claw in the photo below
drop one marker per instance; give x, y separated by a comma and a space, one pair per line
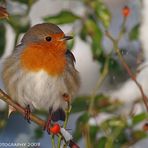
48, 125
27, 113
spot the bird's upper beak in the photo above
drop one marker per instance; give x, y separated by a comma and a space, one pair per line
65, 38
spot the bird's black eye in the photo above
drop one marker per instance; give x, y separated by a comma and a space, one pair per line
48, 38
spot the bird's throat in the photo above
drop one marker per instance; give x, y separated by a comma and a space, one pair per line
37, 57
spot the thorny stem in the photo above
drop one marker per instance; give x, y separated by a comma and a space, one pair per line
20, 109
115, 44
67, 111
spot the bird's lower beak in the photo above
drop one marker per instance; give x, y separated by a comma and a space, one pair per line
65, 38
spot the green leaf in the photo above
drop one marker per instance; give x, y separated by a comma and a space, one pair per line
83, 118
101, 59
93, 132
114, 66
81, 122
116, 123
134, 33
64, 17
122, 138
112, 138
77, 133
93, 28
94, 31
104, 15
101, 12
139, 118
101, 142
138, 135
96, 47
83, 33
2, 39
80, 104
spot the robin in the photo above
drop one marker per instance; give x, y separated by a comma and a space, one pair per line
40, 73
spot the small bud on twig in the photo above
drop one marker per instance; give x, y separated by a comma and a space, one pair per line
126, 11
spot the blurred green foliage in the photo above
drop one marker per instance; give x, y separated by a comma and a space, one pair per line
64, 17
134, 32
118, 131
27, 2
3, 119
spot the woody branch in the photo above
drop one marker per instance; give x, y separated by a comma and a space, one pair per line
21, 110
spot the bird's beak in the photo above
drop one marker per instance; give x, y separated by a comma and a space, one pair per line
65, 38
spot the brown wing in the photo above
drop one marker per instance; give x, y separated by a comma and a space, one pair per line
70, 57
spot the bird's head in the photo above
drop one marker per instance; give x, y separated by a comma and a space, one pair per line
47, 34
44, 48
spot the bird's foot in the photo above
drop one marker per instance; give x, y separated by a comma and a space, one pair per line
27, 113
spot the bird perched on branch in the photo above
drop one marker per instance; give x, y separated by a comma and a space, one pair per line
40, 73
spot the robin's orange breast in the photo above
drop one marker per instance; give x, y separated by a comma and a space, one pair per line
41, 56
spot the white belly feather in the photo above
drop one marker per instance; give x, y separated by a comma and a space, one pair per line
42, 91
39, 90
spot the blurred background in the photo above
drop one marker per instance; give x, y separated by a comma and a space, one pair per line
108, 111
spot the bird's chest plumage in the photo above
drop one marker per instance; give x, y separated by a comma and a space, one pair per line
38, 88
42, 91
40, 79
38, 57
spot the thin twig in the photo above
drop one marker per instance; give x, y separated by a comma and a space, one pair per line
125, 65
133, 77
86, 135
92, 99
99, 83
20, 109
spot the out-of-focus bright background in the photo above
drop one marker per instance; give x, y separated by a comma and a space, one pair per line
118, 114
